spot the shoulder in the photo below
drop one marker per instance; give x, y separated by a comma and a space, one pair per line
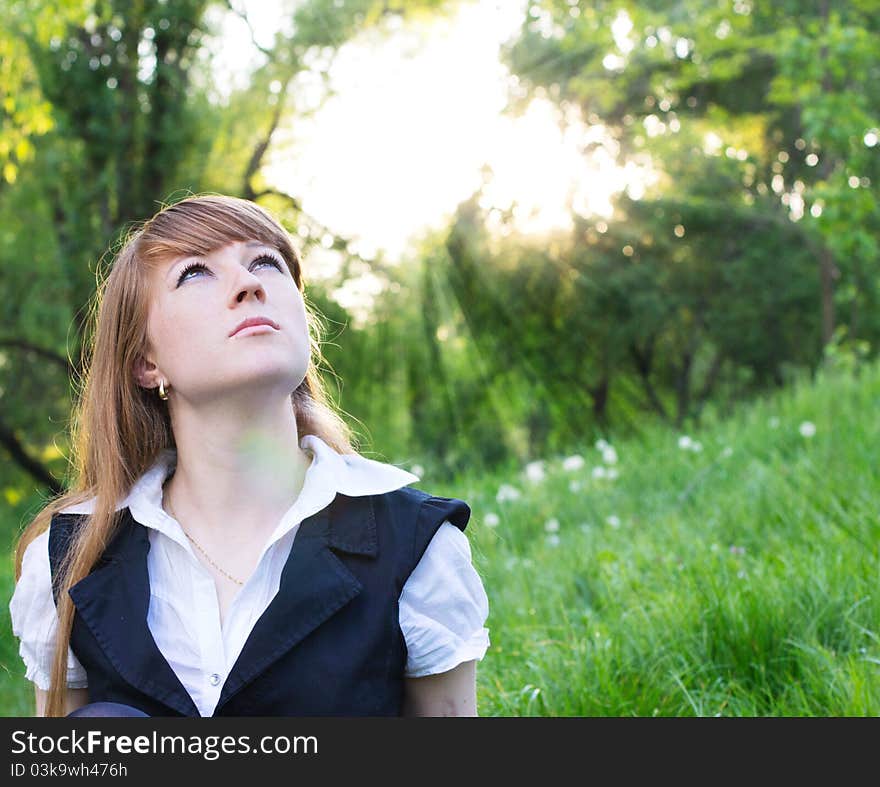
45, 549
61, 532
415, 516
35, 557
410, 504
65, 524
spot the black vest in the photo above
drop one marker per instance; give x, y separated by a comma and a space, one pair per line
328, 644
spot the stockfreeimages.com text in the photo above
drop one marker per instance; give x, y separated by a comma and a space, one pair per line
209, 746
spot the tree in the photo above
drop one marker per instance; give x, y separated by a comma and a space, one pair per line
108, 111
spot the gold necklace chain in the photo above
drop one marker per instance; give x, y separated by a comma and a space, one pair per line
199, 547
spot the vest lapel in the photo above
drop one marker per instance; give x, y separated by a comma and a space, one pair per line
315, 584
113, 601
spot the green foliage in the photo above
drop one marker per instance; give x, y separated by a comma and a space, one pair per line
807, 71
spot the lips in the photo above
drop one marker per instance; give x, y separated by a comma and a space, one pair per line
250, 321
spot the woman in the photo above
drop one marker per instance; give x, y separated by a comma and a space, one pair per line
223, 549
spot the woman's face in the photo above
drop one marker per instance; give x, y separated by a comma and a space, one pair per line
197, 304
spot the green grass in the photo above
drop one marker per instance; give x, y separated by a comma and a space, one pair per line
740, 580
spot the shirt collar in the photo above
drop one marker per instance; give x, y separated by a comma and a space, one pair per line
329, 473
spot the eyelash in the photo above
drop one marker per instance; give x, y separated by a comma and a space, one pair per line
195, 265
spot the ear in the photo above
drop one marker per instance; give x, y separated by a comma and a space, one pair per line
146, 372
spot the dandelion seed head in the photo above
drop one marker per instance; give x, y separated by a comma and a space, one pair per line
807, 429
491, 519
507, 492
535, 471
575, 462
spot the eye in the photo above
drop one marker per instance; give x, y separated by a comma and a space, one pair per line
263, 258
270, 259
191, 267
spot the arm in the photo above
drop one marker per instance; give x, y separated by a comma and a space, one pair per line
452, 693
76, 698
34, 621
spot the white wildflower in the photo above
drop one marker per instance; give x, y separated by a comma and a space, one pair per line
507, 492
613, 520
575, 462
611, 473
807, 428
553, 540
551, 525
417, 470
535, 470
726, 452
609, 456
599, 472
574, 485
684, 442
602, 444
491, 520
696, 446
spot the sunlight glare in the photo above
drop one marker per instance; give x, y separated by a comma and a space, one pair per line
416, 116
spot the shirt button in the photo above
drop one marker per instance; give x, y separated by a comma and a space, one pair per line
214, 679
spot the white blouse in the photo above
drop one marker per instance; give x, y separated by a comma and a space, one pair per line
442, 609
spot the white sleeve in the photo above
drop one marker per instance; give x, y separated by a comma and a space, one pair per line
443, 607
35, 619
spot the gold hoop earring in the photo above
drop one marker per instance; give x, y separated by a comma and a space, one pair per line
162, 394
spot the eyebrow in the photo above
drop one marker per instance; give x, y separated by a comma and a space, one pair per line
249, 244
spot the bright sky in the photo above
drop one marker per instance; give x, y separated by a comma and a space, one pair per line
418, 113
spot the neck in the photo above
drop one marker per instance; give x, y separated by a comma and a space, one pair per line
235, 479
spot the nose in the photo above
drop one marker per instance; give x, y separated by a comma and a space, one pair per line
249, 286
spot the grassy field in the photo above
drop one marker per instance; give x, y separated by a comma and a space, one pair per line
732, 572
